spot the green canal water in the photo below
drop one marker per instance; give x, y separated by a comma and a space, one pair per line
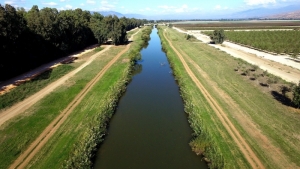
149, 129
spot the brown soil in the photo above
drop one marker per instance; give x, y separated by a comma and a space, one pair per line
27, 155
251, 157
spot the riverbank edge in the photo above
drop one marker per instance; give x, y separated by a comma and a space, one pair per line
202, 142
82, 156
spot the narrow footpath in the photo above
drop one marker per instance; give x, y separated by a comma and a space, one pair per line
23, 160
251, 157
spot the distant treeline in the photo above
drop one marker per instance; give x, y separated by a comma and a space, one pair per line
31, 38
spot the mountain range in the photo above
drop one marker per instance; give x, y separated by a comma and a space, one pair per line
288, 12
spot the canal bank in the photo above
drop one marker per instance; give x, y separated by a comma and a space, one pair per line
149, 128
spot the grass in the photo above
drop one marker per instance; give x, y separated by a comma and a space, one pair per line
28, 88
276, 121
75, 143
98, 49
209, 135
31, 123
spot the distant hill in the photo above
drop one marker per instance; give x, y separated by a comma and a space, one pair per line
107, 13
119, 15
289, 15
264, 12
287, 12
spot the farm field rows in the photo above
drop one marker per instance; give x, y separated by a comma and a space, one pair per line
232, 25
31, 123
273, 41
268, 126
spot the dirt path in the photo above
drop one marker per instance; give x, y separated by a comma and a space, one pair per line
20, 107
251, 157
278, 157
282, 66
23, 160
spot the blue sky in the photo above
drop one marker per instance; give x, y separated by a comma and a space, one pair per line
154, 7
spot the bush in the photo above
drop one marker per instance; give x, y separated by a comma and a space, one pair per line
218, 36
296, 95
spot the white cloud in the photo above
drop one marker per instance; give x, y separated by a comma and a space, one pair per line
181, 9
107, 6
13, 2
82, 4
90, 1
50, 3
68, 7
259, 2
219, 7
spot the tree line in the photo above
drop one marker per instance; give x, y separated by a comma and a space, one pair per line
31, 38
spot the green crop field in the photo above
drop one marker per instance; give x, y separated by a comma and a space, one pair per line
273, 41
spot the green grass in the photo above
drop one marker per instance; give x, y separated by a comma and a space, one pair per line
209, 135
75, 143
21, 131
28, 88
278, 122
98, 49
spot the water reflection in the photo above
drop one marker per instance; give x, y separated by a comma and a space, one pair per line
150, 129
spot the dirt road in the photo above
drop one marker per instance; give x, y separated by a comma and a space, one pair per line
20, 107
50, 130
251, 157
282, 66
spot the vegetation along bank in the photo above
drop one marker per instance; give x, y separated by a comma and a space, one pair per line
253, 111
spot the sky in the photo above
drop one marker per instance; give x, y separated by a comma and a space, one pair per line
155, 7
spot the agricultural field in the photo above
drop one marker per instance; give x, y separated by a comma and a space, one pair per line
280, 42
232, 25
273, 41
241, 94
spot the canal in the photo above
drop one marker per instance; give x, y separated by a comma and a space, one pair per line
149, 129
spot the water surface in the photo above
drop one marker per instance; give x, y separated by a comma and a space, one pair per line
149, 129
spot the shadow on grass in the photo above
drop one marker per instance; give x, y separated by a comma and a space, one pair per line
43, 76
295, 60
264, 84
283, 99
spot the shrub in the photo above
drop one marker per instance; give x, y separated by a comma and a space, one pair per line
296, 95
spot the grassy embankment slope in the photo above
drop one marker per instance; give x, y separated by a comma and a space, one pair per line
21, 131
270, 128
75, 143
18, 133
30, 87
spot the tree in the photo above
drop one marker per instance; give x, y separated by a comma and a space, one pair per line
296, 95
98, 28
284, 89
218, 36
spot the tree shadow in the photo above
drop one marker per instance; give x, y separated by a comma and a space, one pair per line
264, 84
282, 99
295, 60
43, 76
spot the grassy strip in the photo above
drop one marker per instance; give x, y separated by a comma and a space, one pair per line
28, 88
22, 130
271, 117
75, 143
208, 140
